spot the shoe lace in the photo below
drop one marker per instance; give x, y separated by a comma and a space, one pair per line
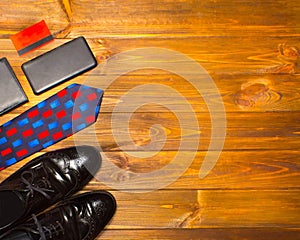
31, 186
50, 230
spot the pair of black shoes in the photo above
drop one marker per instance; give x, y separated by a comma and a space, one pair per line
46, 180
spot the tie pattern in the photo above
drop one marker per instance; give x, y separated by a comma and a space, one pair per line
63, 114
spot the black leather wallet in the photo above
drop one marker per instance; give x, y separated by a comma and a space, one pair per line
11, 92
59, 65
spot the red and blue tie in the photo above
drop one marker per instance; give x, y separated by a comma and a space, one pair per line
63, 114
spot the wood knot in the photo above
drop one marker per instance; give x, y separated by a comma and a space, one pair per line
121, 161
103, 56
288, 54
63, 33
288, 57
121, 176
255, 93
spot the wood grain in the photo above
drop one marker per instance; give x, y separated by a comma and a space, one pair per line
204, 234
206, 209
219, 55
234, 170
247, 79
184, 18
15, 16
272, 132
146, 18
251, 51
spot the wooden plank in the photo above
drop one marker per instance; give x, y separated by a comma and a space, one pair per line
218, 55
234, 170
16, 15
255, 93
250, 49
206, 209
243, 132
250, 78
184, 18
274, 93
248, 94
203, 234
146, 18
284, 134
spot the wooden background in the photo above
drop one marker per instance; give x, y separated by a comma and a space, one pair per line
250, 48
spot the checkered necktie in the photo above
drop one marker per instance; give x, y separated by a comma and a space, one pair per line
63, 114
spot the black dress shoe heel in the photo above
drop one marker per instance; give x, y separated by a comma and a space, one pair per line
82, 217
44, 181
12, 207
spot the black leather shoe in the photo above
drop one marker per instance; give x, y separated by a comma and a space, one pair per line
44, 181
80, 218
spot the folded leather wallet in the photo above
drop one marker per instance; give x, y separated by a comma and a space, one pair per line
59, 65
11, 92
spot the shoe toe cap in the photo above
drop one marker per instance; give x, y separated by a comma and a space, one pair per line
95, 209
78, 164
86, 158
104, 206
